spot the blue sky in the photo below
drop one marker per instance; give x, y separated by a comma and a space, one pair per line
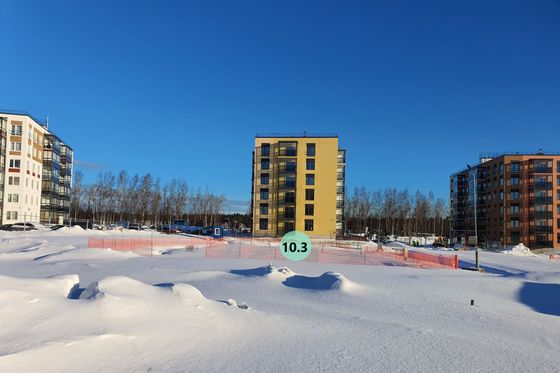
414, 89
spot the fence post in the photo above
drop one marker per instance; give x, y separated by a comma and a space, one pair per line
456, 261
477, 259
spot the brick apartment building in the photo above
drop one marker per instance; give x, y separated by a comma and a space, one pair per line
517, 201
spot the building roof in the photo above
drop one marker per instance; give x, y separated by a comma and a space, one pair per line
25, 113
296, 135
488, 156
42, 123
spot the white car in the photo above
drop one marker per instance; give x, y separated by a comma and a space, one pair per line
28, 226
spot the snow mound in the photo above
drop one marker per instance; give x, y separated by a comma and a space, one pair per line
74, 228
327, 281
269, 271
519, 250
56, 286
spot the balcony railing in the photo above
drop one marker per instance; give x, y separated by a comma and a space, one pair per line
543, 229
287, 185
542, 200
541, 185
541, 215
542, 170
287, 152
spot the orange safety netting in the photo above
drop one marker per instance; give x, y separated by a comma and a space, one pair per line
330, 252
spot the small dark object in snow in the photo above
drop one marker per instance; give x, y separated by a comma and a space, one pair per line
472, 302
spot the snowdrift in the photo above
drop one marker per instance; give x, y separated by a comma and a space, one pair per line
519, 250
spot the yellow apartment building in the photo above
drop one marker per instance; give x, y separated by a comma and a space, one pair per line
298, 184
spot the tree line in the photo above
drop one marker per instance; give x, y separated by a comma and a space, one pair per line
396, 212
142, 199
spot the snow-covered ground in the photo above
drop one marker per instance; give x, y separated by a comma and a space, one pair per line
67, 308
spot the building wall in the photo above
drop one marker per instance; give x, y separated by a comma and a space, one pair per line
325, 187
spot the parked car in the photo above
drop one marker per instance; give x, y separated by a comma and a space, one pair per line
6, 227
28, 226
135, 226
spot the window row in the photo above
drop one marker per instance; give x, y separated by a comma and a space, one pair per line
289, 181
290, 150
289, 212
308, 225
289, 197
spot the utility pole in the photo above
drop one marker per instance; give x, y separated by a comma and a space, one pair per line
474, 172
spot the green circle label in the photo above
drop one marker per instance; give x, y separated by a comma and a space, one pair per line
295, 246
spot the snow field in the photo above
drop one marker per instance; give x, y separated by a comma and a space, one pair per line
68, 308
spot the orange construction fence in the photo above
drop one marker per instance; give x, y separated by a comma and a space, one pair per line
146, 242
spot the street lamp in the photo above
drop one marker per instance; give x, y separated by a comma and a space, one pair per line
473, 169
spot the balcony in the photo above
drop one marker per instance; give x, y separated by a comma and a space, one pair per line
541, 215
287, 171
543, 229
540, 186
284, 186
541, 170
284, 216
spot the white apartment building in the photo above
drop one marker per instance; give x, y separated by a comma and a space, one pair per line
22, 142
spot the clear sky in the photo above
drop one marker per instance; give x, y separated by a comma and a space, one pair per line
415, 89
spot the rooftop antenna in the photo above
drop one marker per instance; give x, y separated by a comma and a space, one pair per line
304, 133
47, 122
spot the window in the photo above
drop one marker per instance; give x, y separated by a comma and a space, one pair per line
290, 197
558, 180
514, 223
290, 181
264, 208
16, 130
13, 197
309, 179
514, 181
13, 180
308, 224
309, 194
15, 146
15, 163
264, 194
291, 150
265, 164
264, 179
288, 226
11, 215
309, 210
514, 167
541, 166
514, 195
263, 224
291, 166
310, 164
502, 196
541, 208
289, 212
265, 150
311, 150
515, 209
